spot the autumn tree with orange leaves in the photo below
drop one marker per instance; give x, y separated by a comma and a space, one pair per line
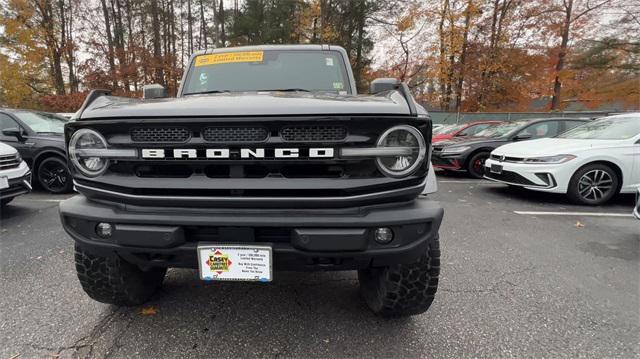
506, 55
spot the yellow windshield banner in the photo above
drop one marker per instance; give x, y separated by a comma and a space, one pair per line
229, 57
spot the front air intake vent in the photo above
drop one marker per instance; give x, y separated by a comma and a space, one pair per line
160, 134
313, 133
236, 134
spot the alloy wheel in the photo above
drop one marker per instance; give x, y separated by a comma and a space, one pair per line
475, 166
595, 185
53, 176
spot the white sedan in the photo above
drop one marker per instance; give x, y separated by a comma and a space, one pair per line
590, 163
15, 177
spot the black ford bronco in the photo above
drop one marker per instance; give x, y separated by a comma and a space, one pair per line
268, 159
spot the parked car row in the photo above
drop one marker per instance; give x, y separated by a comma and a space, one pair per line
589, 161
468, 153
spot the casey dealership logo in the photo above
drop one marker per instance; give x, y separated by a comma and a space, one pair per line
239, 153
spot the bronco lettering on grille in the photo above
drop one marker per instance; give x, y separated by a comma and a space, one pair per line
239, 153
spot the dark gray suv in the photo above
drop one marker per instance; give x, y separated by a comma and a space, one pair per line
267, 160
38, 137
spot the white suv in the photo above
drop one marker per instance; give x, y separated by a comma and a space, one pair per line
15, 176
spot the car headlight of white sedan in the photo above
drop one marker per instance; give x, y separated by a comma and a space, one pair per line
549, 160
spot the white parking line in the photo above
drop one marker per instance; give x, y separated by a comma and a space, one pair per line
585, 214
42, 200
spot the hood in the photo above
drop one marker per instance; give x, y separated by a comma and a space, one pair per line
552, 147
467, 141
248, 104
6, 150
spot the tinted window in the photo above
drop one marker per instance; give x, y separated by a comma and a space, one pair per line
542, 129
501, 130
451, 129
7, 122
472, 130
268, 70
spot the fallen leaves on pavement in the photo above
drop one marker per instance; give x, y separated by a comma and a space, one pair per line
149, 311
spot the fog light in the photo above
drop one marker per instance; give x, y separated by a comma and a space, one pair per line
384, 235
104, 230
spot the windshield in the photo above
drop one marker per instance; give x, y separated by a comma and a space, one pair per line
501, 129
620, 128
451, 129
442, 129
287, 70
41, 122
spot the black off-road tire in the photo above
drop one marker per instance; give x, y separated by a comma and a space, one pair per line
114, 281
402, 289
475, 166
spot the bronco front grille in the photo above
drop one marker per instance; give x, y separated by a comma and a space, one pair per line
9, 161
313, 133
160, 134
234, 161
235, 134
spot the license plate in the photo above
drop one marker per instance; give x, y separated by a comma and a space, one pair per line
4, 182
235, 262
497, 169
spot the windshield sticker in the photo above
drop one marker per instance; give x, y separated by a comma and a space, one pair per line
203, 78
229, 57
338, 85
329, 61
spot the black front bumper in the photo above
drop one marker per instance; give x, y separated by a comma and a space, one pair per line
302, 239
454, 162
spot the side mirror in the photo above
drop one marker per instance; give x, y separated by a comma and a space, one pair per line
523, 136
153, 91
384, 84
13, 131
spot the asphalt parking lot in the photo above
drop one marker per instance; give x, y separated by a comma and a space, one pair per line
515, 283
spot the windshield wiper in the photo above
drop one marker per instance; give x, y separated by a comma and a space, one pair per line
286, 90
206, 92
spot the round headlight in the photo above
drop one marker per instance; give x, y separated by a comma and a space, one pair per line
402, 137
80, 146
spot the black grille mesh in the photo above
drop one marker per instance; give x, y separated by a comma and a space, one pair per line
511, 177
235, 134
313, 133
160, 134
